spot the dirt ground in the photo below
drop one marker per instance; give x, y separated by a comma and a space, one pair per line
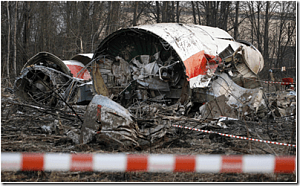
24, 129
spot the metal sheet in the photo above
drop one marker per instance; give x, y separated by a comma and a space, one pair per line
189, 39
75, 67
253, 59
115, 120
41, 57
83, 58
237, 96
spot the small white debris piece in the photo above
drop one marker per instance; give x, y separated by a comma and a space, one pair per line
46, 129
221, 124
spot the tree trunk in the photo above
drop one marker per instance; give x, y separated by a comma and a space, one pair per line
113, 17
198, 12
236, 26
26, 19
172, 12
8, 41
266, 34
15, 40
157, 12
177, 11
258, 26
134, 21
208, 9
279, 52
224, 12
165, 12
107, 31
194, 13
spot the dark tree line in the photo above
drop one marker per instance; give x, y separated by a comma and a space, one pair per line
71, 27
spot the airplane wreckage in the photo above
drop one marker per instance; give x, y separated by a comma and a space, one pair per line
140, 77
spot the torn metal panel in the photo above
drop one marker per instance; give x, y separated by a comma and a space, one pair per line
200, 68
253, 59
216, 108
76, 67
83, 58
49, 60
98, 81
84, 93
237, 96
69, 67
115, 121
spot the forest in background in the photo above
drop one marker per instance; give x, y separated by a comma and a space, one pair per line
66, 28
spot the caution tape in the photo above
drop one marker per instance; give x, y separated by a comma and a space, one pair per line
233, 136
147, 163
272, 82
282, 83
281, 68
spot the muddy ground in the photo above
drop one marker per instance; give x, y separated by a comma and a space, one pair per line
24, 129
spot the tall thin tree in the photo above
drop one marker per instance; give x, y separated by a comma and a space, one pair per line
15, 39
8, 41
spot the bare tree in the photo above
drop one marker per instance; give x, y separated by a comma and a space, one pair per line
223, 15
172, 12
157, 11
113, 17
165, 7
266, 33
286, 29
258, 25
198, 12
8, 41
136, 6
15, 40
236, 26
194, 13
177, 11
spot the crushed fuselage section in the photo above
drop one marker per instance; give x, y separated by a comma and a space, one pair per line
46, 79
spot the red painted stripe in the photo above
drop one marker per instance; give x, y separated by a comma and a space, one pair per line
137, 163
232, 164
197, 64
185, 164
33, 162
284, 164
75, 69
82, 162
99, 112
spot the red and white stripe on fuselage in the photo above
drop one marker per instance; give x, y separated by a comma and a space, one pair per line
198, 66
75, 67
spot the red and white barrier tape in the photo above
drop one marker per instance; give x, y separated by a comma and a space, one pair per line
233, 136
281, 68
273, 82
282, 83
150, 163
